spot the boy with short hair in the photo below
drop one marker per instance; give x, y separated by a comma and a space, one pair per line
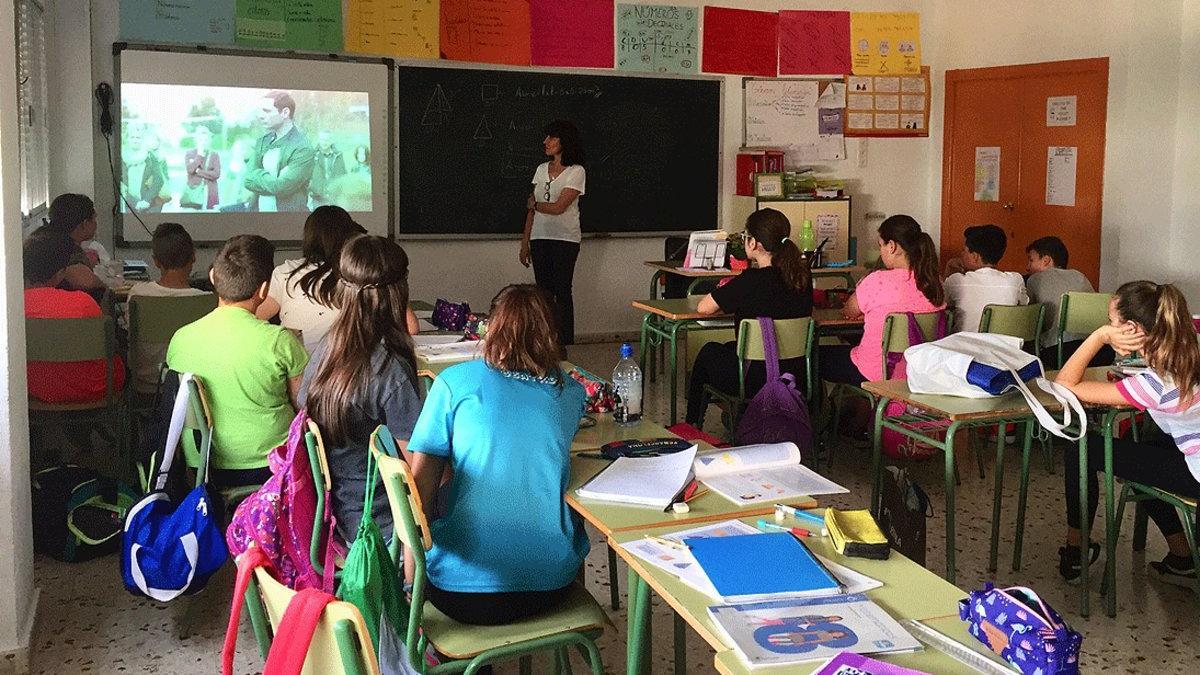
1049, 279
47, 255
250, 369
976, 283
174, 255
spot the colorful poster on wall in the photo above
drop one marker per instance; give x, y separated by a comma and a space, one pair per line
312, 25
572, 34
401, 28
885, 43
1060, 175
814, 43
741, 42
987, 174
487, 31
192, 22
658, 39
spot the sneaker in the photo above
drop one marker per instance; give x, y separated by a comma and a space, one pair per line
1069, 565
1178, 570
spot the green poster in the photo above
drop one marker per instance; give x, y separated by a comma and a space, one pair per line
308, 25
657, 39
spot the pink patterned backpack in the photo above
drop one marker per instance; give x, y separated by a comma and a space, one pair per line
279, 517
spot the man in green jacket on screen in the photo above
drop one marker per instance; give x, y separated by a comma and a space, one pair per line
283, 160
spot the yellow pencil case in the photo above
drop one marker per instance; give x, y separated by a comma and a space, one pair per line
855, 533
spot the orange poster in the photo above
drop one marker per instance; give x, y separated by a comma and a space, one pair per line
487, 31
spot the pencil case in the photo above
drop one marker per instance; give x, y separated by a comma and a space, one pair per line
1022, 629
855, 533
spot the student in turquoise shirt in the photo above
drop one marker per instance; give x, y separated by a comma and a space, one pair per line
506, 546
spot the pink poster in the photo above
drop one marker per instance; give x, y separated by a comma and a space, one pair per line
740, 42
576, 33
814, 43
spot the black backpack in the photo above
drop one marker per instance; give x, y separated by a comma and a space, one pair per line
78, 514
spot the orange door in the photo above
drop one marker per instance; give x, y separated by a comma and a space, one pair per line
1060, 105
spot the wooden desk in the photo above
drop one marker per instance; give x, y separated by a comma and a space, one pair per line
832, 319
663, 320
909, 591
697, 274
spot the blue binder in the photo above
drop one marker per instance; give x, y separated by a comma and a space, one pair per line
754, 566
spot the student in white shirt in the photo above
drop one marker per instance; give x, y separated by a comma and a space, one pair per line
174, 256
974, 282
552, 233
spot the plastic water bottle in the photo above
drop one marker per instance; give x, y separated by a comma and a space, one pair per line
627, 378
808, 238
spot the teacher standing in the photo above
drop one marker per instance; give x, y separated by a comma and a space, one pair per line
551, 237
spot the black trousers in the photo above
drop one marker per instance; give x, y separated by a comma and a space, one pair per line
554, 271
1049, 355
1155, 460
837, 367
717, 365
494, 609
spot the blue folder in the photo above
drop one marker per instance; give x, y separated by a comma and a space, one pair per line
751, 566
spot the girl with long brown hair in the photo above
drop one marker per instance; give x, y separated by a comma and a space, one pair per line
778, 285
1153, 320
506, 545
363, 373
911, 283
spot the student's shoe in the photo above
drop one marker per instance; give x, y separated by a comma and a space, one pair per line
1069, 565
1176, 569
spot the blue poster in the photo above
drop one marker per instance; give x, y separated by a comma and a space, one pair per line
190, 22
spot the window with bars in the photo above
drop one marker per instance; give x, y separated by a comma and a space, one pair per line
34, 138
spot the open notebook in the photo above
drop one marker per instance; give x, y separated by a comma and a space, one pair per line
642, 481
756, 474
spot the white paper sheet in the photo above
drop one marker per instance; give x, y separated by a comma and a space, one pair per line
987, 174
642, 481
1060, 175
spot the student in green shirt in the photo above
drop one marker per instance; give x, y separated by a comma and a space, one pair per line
250, 369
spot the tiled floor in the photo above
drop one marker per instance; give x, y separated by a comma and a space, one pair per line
89, 624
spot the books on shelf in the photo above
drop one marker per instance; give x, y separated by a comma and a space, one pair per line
757, 474
790, 631
642, 481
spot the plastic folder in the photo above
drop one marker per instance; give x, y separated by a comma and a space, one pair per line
762, 566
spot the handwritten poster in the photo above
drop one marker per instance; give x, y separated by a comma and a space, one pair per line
883, 43
487, 31
740, 42
1060, 111
577, 33
657, 39
1060, 175
308, 25
987, 174
193, 22
403, 28
781, 112
814, 43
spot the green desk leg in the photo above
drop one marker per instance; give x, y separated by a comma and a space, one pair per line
1019, 537
614, 593
654, 281
950, 483
1110, 518
680, 645
1085, 528
877, 457
637, 642
644, 347
998, 469
672, 369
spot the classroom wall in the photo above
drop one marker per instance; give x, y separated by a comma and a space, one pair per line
1185, 203
18, 598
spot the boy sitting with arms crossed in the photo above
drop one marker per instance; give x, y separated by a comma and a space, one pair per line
250, 369
974, 282
174, 256
1050, 279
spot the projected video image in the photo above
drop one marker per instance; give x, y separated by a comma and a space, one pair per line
193, 149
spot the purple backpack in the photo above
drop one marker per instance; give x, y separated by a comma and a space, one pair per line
1020, 627
777, 413
278, 518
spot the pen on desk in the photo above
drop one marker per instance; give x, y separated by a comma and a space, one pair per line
798, 531
782, 509
667, 542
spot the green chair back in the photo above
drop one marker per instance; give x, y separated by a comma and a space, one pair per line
155, 319
69, 340
895, 331
793, 339
1081, 313
1023, 321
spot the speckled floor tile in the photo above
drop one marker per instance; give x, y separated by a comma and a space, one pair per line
88, 623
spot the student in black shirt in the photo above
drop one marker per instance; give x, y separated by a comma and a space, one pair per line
777, 285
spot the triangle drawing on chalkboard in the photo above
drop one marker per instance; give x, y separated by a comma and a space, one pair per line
437, 106
483, 132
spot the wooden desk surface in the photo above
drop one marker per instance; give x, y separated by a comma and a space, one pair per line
832, 318
676, 309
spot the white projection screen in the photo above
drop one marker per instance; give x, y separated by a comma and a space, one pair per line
245, 144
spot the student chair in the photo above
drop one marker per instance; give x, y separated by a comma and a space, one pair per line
72, 340
577, 622
154, 320
794, 338
199, 422
318, 462
340, 644
1080, 313
1023, 321
1139, 492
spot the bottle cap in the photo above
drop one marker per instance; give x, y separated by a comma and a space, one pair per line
626, 350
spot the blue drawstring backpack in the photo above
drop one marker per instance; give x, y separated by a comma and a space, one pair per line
170, 550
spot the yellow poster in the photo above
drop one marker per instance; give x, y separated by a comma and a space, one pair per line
885, 43
401, 28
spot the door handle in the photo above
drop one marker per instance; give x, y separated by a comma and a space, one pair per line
1009, 206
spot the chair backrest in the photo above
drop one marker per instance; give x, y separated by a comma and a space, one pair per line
793, 338
1023, 321
68, 340
155, 319
1082, 312
318, 462
341, 642
895, 329
199, 421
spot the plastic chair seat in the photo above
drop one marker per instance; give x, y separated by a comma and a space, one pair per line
579, 613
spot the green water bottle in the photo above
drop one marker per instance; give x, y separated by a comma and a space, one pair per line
808, 238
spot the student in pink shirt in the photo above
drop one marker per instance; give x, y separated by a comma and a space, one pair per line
911, 283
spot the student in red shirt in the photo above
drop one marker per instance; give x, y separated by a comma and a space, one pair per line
46, 257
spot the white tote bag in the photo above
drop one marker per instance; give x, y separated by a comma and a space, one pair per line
982, 365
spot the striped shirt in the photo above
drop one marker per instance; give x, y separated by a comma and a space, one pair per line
1160, 397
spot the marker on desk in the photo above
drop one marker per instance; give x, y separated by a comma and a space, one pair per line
668, 543
798, 531
783, 509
